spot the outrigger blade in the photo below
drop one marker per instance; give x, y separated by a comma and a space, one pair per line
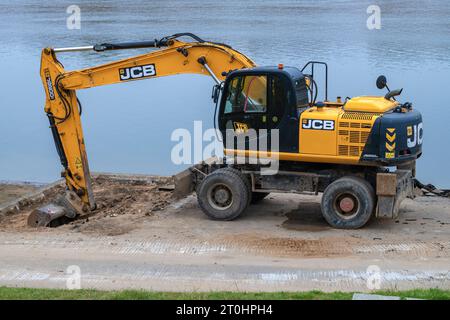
68, 206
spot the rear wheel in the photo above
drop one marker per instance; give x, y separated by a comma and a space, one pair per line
223, 195
348, 203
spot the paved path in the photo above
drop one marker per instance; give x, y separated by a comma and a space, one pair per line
270, 249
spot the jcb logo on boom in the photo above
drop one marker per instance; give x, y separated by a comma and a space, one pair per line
318, 124
137, 72
415, 135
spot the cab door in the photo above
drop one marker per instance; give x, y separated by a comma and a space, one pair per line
282, 117
244, 111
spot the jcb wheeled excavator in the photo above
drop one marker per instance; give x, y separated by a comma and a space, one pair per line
360, 152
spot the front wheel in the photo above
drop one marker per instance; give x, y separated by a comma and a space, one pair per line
223, 195
348, 203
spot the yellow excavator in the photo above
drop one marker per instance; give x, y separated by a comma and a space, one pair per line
359, 152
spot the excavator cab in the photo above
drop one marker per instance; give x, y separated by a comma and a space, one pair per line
258, 100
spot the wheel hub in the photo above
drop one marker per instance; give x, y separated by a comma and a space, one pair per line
221, 196
347, 204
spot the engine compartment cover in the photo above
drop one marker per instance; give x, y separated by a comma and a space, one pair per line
370, 104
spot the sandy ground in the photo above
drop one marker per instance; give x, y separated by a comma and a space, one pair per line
142, 238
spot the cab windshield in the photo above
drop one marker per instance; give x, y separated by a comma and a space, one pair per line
247, 94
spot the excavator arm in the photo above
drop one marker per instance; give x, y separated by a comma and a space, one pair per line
63, 109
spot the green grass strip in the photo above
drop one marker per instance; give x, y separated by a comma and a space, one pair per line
86, 294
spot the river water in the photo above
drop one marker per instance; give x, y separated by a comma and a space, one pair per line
128, 126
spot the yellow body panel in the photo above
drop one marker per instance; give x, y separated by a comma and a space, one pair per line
318, 141
370, 104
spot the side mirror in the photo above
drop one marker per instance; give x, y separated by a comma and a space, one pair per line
393, 93
381, 82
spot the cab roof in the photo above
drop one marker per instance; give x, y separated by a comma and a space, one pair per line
292, 72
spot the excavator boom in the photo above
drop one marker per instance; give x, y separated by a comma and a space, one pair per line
172, 56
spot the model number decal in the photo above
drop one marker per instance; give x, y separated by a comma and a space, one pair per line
316, 124
137, 72
48, 81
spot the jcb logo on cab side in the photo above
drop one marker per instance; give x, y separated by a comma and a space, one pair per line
137, 72
318, 124
240, 127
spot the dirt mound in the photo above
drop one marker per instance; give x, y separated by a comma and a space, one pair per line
120, 202
133, 197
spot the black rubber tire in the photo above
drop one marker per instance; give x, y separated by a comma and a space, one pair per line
233, 183
244, 178
358, 188
258, 196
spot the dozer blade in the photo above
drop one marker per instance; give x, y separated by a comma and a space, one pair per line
185, 180
184, 184
65, 207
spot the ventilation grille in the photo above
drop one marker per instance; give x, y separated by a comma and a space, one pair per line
352, 151
353, 133
361, 116
355, 137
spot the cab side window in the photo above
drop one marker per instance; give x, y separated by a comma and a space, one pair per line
301, 92
279, 96
247, 94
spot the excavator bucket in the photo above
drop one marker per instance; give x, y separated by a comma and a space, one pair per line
66, 207
43, 216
